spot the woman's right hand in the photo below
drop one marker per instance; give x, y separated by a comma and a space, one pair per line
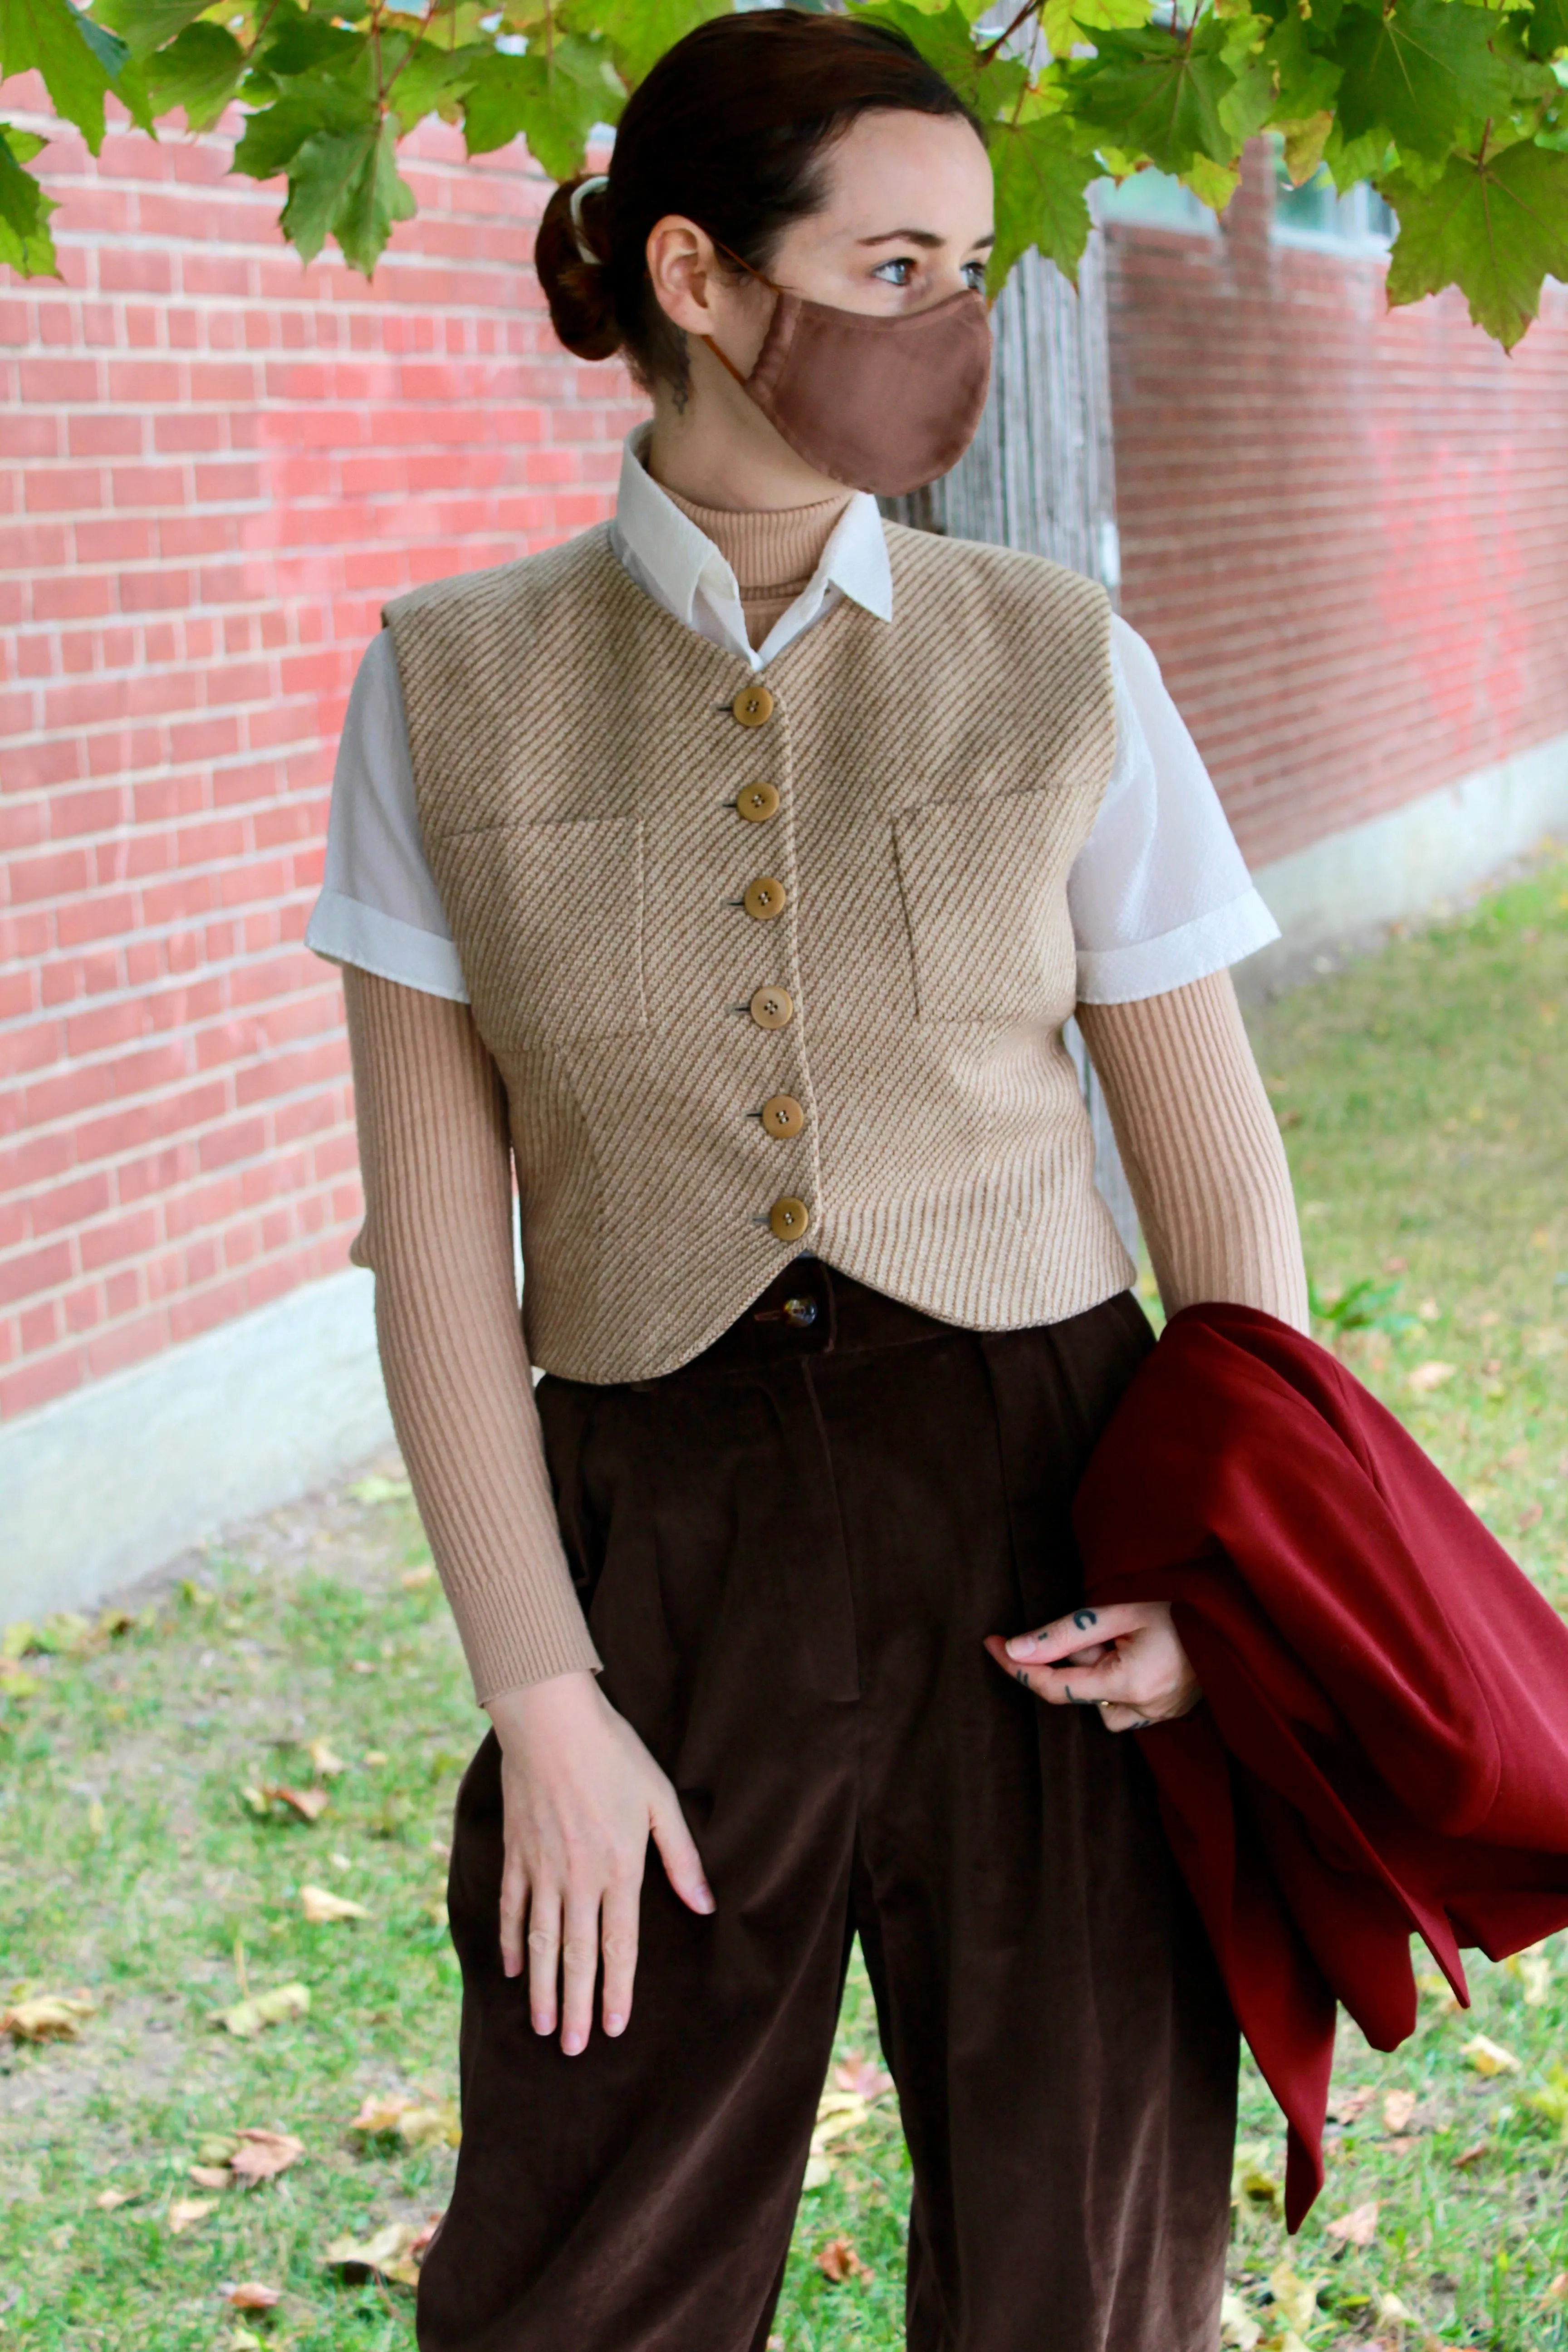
582, 1797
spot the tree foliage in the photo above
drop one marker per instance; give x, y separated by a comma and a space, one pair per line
1455, 111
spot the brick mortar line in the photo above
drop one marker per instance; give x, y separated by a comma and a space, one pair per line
87, 1228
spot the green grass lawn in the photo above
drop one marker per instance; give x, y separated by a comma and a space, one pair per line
1423, 1103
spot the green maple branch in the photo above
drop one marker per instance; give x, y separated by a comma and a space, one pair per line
1399, 82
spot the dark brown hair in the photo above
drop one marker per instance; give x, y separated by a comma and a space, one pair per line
729, 129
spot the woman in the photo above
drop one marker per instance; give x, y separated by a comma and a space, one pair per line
734, 869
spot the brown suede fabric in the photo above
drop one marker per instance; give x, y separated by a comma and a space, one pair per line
790, 1551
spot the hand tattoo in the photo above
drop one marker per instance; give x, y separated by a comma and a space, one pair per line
1084, 1618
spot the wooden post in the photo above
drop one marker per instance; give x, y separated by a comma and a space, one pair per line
1039, 475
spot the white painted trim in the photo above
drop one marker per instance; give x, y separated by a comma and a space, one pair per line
1344, 891
118, 1477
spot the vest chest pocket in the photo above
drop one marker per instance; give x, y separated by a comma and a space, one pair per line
984, 892
548, 921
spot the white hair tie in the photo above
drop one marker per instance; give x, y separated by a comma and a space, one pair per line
583, 188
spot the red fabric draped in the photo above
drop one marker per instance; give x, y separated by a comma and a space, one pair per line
1384, 1743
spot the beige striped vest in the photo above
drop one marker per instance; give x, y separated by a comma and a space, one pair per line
778, 961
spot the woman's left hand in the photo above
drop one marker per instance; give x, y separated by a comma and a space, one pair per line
1127, 1661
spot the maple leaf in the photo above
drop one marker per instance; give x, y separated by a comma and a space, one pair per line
247, 2017
863, 2076
320, 1904
1423, 70
553, 99
837, 2261
1494, 226
186, 2212
262, 2155
26, 246
309, 1803
1398, 2107
47, 2017
1160, 92
1357, 2228
639, 31
1043, 169
81, 61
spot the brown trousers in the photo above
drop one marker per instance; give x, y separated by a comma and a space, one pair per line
791, 1550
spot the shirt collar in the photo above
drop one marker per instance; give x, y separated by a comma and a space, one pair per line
681, 568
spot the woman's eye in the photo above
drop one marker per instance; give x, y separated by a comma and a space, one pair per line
894, 273
974, 274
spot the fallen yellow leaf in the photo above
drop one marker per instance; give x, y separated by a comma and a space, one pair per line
380, 2110
309, 1803
210, 2175
837, 2261
261, 2155
434, 2125
413, 1578
864, 2075
16, 1639
47, 2017
323, 1760
108, 2199
186, 2212
1357, 2228
1535, 1973
388, 2254
375, 1756
1295, 2297
320, 1904
1398, 2107
1488, 2057
252, 2296
1431, 1375
247, 2017
1238, 2331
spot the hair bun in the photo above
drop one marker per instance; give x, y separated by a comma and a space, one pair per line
569, 251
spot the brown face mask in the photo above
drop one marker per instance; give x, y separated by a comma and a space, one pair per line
883, 404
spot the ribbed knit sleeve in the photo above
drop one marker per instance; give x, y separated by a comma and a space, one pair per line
436, 1165
1201, 1148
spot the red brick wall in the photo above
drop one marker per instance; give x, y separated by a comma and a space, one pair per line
1345, 531
212, 467
1346, 536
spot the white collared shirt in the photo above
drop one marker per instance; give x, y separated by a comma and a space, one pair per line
1159, 893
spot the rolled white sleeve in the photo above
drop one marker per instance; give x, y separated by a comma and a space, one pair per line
1159, 893
379, 907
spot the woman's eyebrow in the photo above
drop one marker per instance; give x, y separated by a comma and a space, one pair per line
926, 236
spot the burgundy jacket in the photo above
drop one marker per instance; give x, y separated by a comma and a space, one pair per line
1385, 1742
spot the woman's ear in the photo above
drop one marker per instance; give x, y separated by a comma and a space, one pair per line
680, 267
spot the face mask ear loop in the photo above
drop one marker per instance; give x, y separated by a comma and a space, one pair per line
723, 358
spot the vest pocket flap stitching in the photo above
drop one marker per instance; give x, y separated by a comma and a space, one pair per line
984, 890
551, 921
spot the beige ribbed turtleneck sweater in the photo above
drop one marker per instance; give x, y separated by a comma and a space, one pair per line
1201, 1148
772, 556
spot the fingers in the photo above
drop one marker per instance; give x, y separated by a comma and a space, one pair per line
1066, 1684
513, 1905
579, 1971
544, 1957
622, 1910
1065, 1637
678, 1850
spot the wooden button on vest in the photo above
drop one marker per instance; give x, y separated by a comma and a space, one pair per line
758, 802
789, 1219
782, 1115
764, 899
753, 706
772, 1008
